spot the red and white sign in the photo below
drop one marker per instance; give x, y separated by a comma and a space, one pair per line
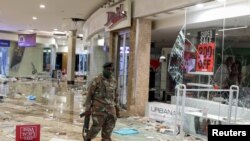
205, 57
28, 132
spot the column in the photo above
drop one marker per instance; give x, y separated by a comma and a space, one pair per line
139, 66
71, 57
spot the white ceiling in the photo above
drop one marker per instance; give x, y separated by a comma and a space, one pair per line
16, 15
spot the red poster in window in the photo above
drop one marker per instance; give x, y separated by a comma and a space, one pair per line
28, 132
205, 57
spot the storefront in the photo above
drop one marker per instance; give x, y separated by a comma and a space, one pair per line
226, 36
112, 43
211, 52
129, 46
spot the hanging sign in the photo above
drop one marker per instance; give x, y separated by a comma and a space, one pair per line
26, 40
4, 43
28, 132
205, 51
205, 57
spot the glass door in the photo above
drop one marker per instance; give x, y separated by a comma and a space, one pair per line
123, 55
47, 59
4, 63
82, 64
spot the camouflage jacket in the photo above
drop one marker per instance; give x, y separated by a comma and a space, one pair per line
102, 95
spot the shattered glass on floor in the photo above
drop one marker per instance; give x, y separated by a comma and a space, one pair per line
56, 108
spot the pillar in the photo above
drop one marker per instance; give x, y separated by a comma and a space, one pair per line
139, 66
71, 57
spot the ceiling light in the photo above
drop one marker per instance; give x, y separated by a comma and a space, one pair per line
55, 29
221, 0
34, 18
188, 34
80, 35
100, 42
199, 5
42, 6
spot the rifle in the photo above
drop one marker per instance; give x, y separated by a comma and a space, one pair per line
85, 127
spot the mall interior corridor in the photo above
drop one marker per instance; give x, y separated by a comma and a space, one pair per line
56, 108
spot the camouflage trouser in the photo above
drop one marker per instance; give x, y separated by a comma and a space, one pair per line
105, 122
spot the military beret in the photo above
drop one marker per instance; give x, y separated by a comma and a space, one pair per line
107, 65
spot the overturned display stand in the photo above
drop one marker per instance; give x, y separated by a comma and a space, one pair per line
194, 122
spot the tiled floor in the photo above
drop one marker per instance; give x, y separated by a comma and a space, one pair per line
57, 109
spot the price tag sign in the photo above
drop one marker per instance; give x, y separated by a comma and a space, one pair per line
28, 132
205, 57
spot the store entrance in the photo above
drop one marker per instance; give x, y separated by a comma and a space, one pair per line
123, 56
46, 59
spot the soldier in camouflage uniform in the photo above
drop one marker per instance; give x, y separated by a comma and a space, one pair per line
102, 103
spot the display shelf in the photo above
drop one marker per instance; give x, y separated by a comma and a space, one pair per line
200, 85
190, 116
208, 116
201, 73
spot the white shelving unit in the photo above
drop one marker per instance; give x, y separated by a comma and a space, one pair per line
199, 85
181, 89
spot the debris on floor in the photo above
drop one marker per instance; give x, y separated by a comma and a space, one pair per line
31, 97
61, 133
56, 109
126, 131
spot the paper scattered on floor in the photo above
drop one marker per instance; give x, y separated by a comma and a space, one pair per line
126, 131
31, 97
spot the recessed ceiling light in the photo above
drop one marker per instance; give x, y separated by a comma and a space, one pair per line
55, 29
221, 0
80, 35
34, 18
199, 5
42, 6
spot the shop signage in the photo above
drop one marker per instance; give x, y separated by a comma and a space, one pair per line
161, 111
119, 16
26, 40
116, 17
205, 51
4, 43
28, 132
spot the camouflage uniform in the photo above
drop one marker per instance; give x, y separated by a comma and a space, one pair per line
102, 100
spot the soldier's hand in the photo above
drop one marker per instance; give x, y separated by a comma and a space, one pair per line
118, 114
117, 110
87, 113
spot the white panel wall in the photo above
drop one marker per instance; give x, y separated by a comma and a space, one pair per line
95, 23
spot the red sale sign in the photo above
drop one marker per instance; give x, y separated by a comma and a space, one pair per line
28, 132
205, 57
